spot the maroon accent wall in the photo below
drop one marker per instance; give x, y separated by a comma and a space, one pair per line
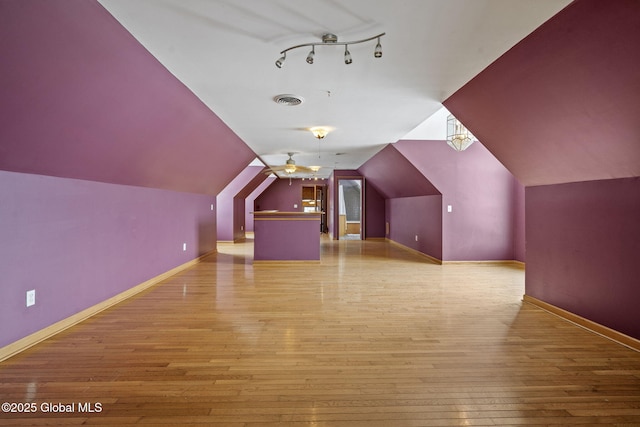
81, 98
562, 105
374, 212
519, 236
583, 249
78, 243
560, 110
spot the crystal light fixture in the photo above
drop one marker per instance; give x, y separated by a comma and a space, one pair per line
458, 137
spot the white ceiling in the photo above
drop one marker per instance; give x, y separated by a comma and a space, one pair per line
225, 52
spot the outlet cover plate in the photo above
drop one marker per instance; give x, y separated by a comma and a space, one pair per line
31, 297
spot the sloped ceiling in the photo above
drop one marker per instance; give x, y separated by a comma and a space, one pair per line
225, 50
81, 98
394, 176
562, 105
258, 178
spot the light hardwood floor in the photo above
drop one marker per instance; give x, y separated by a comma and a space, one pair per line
373, 335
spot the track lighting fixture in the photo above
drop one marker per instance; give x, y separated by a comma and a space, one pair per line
332, 40
347, 55
378, 51
311, 55
281, 60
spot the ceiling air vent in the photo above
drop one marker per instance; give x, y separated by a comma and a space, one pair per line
288, 99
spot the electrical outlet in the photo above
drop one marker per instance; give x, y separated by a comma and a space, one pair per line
295, 206
184, 247
31, 297
211, 206
449, 208
416, 237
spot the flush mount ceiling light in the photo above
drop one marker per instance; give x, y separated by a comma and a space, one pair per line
290, 166
329, 39
458, 137
319, 131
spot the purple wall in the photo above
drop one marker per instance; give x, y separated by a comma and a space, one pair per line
81, 98
90, 242
560, 110
287, 238
480, 191
519, 237
562, 105
281, 196
249, 204
374, 212
395, 176
134, 151
487, 218
583, 250
231, 203
419, 216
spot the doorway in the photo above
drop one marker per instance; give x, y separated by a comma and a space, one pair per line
314, 199
350, 209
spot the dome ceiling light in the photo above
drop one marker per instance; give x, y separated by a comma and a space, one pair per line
319, 131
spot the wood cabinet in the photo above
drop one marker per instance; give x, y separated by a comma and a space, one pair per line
314, 200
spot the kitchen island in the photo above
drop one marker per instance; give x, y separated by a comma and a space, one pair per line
286, 236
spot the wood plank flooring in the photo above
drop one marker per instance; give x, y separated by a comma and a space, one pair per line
372, 335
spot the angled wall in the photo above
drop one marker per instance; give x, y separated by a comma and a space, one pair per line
481, 194
562, 105
81, 98
283, 195
421, 179
249, 205
393, 175
78, 243
560, 111
230, 213
108, 164
582, 250
375, 213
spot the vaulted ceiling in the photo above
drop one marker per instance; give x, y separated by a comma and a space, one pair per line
225, 50
179, 94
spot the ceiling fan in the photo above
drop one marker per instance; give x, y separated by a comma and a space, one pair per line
290, 168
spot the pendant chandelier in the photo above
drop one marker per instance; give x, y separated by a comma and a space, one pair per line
458, 137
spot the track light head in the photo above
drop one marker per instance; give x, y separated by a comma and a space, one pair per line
378, 51
347, 55
311, 55
281, 60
